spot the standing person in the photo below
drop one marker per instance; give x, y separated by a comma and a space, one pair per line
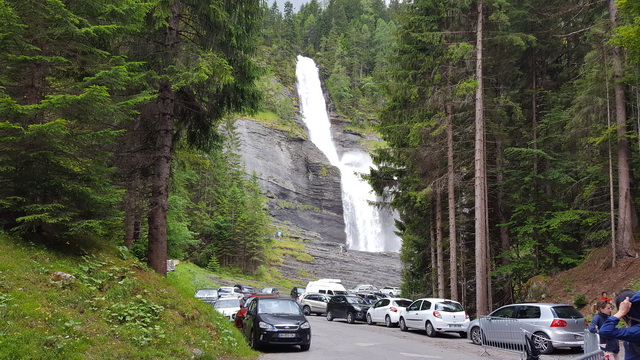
605, 297
628, 304
611, 347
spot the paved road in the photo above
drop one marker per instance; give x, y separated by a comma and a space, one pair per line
339, 340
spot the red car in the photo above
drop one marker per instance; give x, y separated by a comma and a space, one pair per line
240, 315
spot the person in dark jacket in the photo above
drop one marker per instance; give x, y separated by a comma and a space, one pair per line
611, 347
628, 304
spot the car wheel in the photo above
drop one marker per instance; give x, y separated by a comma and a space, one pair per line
387, 321
329, 315
463, 334
369, 320
305, 347
253, 341
306, 310
476, 335
431, 332
350, 318
542, 342
403, 326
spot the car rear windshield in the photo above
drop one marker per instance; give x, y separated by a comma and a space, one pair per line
449, 306
567, 312
403, 303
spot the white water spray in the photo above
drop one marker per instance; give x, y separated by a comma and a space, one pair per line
367, 227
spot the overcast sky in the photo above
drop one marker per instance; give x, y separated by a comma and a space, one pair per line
296, 3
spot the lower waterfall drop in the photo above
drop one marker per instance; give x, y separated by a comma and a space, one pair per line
367, 227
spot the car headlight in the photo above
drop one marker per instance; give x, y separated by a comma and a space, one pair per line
266, 326
357, 308
305, 325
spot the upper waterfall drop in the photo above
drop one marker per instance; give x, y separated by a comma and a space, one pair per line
367, 227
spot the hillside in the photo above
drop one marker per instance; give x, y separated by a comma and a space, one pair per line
591, 278
94, 301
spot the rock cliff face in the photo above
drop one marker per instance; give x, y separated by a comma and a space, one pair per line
302, 187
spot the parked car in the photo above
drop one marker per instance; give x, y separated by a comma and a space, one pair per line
391, 291
387, 310
370, 298
314, 303
351, 308
227, 307
555, 325
326, 286
230, 292
277, 321
296, 292
240, 315
246, 290
365, 289
269, 290
207, 295
435, 316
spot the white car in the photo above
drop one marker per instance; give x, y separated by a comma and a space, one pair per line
387, 310
230, 292
227, 307
391, 291
435, 316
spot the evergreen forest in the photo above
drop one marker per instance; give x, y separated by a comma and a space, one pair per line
510, 128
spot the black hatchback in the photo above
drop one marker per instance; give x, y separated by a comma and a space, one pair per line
347, 307
276, 321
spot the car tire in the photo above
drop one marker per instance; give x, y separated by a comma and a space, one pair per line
476, 335
543, 343
369, 320
403, 326
306, 310
350, 318
387, 321
253, 341
428, 326
305, 347
329, 315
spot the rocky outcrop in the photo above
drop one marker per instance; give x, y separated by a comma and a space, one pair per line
302, 187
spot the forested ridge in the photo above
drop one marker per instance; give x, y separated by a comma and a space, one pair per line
116, 121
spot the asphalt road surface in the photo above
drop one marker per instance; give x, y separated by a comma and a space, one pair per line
339, 340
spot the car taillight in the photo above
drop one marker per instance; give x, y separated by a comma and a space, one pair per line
586, 323
558, 323
393, 309
466, 315
437, 314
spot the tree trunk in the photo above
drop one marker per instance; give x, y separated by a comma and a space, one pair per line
625, 205
158, 205
433, 280
439, 245
453, 241
481, 239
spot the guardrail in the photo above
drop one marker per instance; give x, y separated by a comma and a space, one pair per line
502, 333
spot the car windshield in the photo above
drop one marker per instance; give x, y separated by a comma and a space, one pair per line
567, 312
355, 300
225, 290
449, 306
226, 303
402, 303
278, 306
206, 293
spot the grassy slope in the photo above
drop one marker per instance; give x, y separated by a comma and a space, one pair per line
115, 309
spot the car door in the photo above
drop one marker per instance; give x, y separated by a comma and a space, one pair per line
249, 319
379, 310
412, 318
339, 306
317, 303
528, 316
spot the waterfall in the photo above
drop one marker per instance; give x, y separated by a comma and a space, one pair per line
367, 227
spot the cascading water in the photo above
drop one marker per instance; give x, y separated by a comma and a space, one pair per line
367, 227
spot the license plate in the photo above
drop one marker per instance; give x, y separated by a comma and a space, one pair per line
455, 325
286, 335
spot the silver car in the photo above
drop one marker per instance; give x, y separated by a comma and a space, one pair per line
555, 325
314, 303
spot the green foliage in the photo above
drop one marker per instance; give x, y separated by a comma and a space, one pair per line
580, 301
92, 317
